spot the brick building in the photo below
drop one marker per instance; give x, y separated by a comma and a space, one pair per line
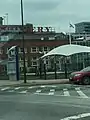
37, 41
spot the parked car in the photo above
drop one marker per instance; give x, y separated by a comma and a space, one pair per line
81, 77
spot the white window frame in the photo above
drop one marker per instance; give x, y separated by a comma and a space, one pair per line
33, 65
34, 59
35, 50
25, 49
45, 50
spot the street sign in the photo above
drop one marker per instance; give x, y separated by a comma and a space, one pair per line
13, 63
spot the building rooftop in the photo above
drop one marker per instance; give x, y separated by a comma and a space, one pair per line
42, 36
82, 23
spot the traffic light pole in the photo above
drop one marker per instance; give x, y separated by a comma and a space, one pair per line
23, 42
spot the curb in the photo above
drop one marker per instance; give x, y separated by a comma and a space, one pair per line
37, 83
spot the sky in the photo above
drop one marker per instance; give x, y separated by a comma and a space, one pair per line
55, 13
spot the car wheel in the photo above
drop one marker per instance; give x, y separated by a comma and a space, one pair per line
86, 80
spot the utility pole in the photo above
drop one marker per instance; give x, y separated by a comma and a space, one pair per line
23, 42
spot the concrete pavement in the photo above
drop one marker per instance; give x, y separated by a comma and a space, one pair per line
33, 82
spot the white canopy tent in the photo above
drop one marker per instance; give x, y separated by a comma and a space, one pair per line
67, 50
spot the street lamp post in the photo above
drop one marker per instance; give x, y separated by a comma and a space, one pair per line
24, 66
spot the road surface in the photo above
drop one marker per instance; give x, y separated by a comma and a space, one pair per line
57, 102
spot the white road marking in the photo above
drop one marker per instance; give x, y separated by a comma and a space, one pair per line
77, 116
6, 88
66, 93
38, 91
54, 86
11, 91
42, 86
51, 92
81, 93
23, 92
30, 87
17, 88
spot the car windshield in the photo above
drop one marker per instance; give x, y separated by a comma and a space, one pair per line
85, 69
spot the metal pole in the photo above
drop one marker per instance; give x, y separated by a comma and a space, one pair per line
40, 69
70, 38
70, 35
23, 42
55, 67
65, 67
45, 68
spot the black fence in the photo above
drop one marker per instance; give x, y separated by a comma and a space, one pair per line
50, 72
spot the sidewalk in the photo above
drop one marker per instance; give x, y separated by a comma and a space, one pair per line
33, 82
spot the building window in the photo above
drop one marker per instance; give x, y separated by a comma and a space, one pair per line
21, 50
45, 49
34, 64
21, 58
34, 58
47, 62
7, 50
34, 49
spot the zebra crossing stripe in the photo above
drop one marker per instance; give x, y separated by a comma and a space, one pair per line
30, 87
42, 86
17, 88
38, 91
6, 88
53, 86
23, 92
66, 93
11, 91
81, 93
52, 92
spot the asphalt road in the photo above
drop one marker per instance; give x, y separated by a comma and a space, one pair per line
47, 107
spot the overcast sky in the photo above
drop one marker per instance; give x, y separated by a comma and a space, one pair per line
55, 13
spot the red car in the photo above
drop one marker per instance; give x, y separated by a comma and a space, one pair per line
81, 77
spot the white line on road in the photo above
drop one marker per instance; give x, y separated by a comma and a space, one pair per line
66, 92
23, 92
17, 88
54, 86
42, 86
6, 88
51, 92
11, 91
81, 93
30, 87
38, 91
77, 116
